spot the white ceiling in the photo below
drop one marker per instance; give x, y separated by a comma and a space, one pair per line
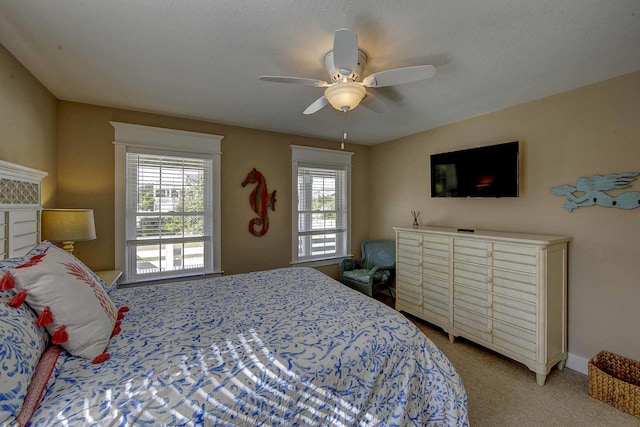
202, 58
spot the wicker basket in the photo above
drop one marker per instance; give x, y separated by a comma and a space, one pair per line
615, 380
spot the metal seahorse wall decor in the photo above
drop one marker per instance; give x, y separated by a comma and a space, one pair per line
261, 200
594, 188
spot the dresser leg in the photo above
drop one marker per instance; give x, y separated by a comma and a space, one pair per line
452, 338
540, 378
561, 364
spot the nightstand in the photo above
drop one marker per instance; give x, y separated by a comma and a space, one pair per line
110, 277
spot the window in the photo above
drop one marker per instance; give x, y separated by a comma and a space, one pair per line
169, 201
321, 204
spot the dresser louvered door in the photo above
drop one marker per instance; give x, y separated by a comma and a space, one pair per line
409, 273
423, 276
435, 280
495, 295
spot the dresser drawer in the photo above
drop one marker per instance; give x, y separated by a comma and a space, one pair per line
415, 286
515, 340
436, 267
471, 275
409, 256
514, 312
515, 257
410, 264
408, 306
435, 288
438, 308
409, 242
435, 248
409, 276
409, 294
473, 251
473, 300
515, 285
471, 325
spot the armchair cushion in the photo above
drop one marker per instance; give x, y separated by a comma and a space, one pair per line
363, 275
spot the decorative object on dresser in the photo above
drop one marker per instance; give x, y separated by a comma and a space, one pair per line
416, 215
592, 191
68, 226
505, 291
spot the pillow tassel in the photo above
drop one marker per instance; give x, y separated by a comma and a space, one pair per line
120, 315
45, 318
123, 309
7, 282
115, 331
60, 335
103, 357
17, 299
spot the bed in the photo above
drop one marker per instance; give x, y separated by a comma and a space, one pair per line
280, 347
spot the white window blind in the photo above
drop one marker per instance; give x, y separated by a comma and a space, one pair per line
168, 213
322, 212
321, 204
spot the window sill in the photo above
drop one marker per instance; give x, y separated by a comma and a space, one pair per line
168, 279
319, 262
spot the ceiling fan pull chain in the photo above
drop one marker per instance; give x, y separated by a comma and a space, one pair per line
344, 134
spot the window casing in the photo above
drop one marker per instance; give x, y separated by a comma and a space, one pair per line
321, 204
167, 203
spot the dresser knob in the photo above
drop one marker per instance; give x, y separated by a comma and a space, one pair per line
489, 279
489, 254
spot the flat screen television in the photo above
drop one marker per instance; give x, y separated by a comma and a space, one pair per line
490, 171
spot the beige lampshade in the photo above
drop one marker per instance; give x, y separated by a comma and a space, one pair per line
62, 225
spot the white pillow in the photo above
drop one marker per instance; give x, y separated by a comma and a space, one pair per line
70, 302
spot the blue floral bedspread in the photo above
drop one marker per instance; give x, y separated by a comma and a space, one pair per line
282, 347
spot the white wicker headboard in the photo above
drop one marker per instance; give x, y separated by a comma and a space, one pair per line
20, 208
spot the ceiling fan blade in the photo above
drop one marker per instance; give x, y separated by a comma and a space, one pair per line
399, 76
296, 80
345, 51
317, 105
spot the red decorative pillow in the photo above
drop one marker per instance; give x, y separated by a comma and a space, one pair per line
70, 302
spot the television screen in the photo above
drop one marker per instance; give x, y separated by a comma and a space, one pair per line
490, 171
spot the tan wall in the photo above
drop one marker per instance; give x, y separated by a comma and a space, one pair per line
28, 123
86, 179
591, 130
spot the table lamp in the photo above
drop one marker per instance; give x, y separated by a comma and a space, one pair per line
68, 226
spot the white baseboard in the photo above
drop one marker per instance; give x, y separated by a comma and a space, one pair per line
578, 363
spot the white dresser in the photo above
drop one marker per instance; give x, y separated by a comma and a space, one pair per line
505, 291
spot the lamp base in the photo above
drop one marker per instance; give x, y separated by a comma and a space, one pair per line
68, 246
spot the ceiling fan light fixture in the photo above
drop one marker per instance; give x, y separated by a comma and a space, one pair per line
345, 96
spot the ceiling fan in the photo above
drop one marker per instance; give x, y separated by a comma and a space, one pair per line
345, 64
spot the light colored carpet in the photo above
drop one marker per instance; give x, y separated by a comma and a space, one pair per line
502, 392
